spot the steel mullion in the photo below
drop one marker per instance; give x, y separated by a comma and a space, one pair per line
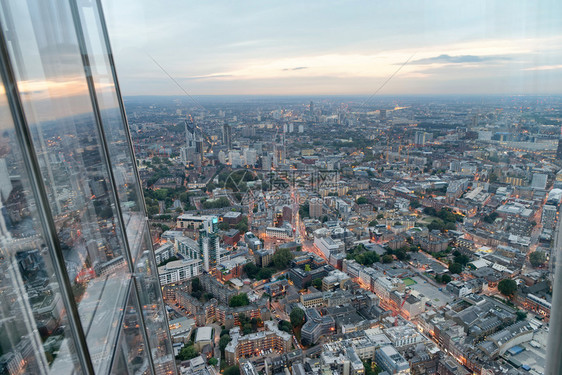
105, 150
140, 192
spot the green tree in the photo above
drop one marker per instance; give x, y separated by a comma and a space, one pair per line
242, 225
223, 342
507, 287
152, 210
521, 315
462, 259
161, 194
282, 258
239, 300
414, 204
304, 210
307, 268
251, 270
373, 223
490, 218
387, 258
187, 352
445, 279
216, 203
436, 225
255, 322
361, 200
232, 370
285, 326
195, 284
297, 317
537, 258
402, 254
317, 283
455, 268
264, 274
224, 226
213, 361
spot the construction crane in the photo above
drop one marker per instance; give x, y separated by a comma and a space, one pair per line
250, 207
395, 314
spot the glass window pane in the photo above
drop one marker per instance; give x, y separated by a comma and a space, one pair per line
154, 314
122, 160
34, 338
131, 356
58, 108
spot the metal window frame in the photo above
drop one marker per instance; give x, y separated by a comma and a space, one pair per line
128, 137
33, 170
106, 155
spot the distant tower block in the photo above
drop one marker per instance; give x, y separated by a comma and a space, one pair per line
227, 136
382, 114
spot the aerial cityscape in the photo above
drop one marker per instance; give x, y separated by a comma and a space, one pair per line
292, 188
353, 235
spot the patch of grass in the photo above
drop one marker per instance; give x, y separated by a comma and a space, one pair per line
408, 281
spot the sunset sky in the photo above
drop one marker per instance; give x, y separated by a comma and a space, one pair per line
337, 47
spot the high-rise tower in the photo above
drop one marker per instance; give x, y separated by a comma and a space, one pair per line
227, 136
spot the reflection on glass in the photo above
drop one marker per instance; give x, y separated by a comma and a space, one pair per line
33, 329
127, 188
154, 314
131, 355
74, 167
86, 169
122, 160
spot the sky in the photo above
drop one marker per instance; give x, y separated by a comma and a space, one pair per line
337, 47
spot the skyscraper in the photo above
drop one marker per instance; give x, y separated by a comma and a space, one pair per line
209, 241
79, 291
192, 152
227, 136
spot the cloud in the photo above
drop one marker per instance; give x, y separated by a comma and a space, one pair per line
209, 76
297, 68
460, 59
544, 67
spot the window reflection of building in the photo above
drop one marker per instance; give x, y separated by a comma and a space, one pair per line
78, 285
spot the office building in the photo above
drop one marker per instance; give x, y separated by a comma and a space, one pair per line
209, 248
253, 242
250, 157
78, 287
227, 136
388, 358
263, 257
266, 162
316, 326
195, 222
421, 138
256, 344
548, 219
235, 159
539, 181
315, 207
178, 271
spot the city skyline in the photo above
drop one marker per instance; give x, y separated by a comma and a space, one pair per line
337, 49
